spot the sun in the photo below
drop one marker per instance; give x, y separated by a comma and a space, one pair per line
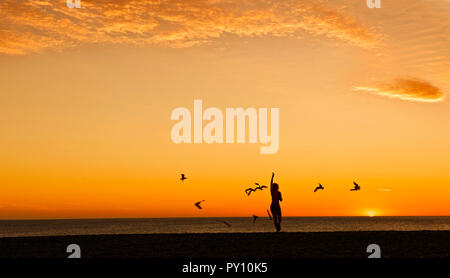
371, 213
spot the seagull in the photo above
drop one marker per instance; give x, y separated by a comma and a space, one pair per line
356, 188
224, 222
270, 216
249, 190
198, 204
182, 177
260, 187
319, 187
254, 218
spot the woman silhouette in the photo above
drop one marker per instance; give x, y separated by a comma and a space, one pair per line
275, 206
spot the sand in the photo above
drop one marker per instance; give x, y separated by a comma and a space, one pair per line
394, 244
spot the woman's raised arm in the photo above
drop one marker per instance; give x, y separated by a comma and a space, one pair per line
271, 181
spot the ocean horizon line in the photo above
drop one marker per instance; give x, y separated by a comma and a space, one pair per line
215, 217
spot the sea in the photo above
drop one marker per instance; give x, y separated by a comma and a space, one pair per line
20, 228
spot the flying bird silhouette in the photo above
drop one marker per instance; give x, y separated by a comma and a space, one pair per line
183, 177
198, 204
224, 222
249, 190
254, 218
260, 187
319, 187
270, 216
356, 187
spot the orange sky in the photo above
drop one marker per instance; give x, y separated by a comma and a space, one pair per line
86, 96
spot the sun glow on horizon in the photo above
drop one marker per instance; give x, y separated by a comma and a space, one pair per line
371, 213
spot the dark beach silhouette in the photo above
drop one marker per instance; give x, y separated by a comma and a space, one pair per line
233, 245
275, 205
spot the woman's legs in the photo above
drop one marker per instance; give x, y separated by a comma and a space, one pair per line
276, 213
275, 221
279, 220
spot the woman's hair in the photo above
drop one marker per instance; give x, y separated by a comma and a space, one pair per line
275, 185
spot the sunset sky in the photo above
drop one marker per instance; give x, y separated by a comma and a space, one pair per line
86, 97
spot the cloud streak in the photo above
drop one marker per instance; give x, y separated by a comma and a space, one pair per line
407, 89
37, 25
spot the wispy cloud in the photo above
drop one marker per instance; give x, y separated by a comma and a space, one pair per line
407, 89
33, 26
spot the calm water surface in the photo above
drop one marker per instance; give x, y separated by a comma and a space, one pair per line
9, 228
